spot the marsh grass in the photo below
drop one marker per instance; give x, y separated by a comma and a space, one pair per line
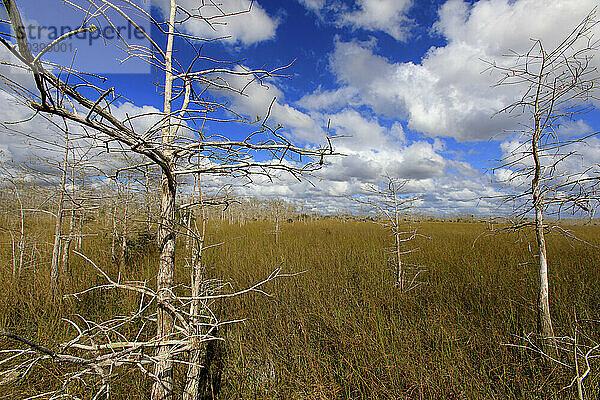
342, 329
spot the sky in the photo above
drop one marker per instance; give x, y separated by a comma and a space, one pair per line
405, 82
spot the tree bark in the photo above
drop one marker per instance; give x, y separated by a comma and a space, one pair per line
64, 264
544, 320
399, 279
163, 387
18, 267
113, 243
193, 384
147, 198
124, 230
55, 265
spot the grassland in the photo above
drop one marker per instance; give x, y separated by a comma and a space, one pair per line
342, 329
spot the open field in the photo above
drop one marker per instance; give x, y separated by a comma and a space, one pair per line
342, 329
218, 200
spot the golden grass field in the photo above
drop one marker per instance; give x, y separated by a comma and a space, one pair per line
342, 329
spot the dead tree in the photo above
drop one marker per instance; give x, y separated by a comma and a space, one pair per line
68, 239
17, 245
70, 204
575, 352
178, 137
392, 208
557, 87
55, 265
278, 210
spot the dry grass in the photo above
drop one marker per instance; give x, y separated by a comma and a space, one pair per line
342, 329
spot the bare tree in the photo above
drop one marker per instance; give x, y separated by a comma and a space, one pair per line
392, 210
576, 352
178, 137
279, 210
55, 266
34, 193
558, 86
18, 246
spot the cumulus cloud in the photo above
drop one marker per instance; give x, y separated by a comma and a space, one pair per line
388, 16
330, 99
443, 95
417, 162
238, 21
494, 26
313, 5
35, 144
359, 133
372, 150
443, 194
440, 97
261, 98
446, 94
576, 128
576, 162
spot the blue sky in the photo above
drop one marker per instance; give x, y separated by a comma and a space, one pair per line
403, 79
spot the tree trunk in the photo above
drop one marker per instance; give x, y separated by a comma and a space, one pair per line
113, 243
147, 197
79, 233
124, 230
55, 266
64, 264
399, 279
544, 320
80, 217
18, 267
163, 387
194, 384
188, 232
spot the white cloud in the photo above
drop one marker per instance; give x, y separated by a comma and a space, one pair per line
577, 128
142, 118
240, 21
36, 143
256, 100
351, 176
494, 26
558, 172
360, 133
388, 16
330, 99
372, 151
446, 94
369, 164
509, 178
441, 97
313, 5
418, 161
